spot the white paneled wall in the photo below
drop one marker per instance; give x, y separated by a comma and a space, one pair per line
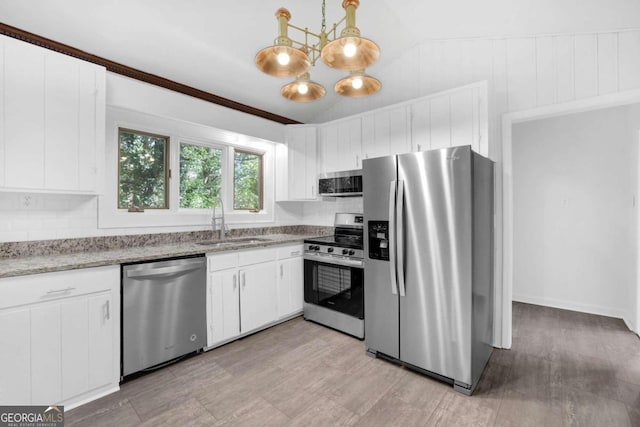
523, 72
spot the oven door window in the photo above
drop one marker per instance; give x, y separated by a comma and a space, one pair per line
336, 287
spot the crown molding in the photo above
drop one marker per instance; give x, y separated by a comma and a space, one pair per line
142, 76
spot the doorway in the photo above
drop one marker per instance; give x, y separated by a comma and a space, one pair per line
571, 209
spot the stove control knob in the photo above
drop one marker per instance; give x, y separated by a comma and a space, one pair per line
345, 251
329, 250
352, 252
310, 247
316, 248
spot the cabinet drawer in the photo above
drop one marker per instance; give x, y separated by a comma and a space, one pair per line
222, 261
290, 251
15, 291
256, 256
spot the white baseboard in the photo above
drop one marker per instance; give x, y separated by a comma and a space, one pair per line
573, 306
90, 396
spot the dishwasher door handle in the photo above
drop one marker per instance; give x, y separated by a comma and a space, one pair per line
162, 272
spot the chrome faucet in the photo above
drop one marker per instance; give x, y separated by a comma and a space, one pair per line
214, 218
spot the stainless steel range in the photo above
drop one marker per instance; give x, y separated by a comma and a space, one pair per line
334, 276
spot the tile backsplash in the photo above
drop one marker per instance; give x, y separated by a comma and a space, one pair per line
27, 216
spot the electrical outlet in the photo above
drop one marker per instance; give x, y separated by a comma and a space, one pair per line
27, 201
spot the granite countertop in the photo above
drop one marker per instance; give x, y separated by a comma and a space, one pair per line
10, 267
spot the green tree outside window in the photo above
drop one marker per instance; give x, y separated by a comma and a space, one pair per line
200, 176
247, 179
143, 170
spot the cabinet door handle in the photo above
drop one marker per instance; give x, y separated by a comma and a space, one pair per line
281, 271
419, 148
107, 310
244, 280
357, 160
313, 193
60, 291
235, 281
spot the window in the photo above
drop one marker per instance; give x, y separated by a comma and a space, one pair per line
143, 171
200, 176
247, 181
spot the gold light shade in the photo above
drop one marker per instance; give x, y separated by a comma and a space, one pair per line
294, 90
267, 61
366, 53
349, 87
350, 51
282, 60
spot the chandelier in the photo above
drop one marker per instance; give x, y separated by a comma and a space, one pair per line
348, 51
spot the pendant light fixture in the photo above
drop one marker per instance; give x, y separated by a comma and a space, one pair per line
292, 58
357, 83
303, 90
350, 51
282, 60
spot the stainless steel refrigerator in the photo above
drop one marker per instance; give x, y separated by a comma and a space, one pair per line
429, 262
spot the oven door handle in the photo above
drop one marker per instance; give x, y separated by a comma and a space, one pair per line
332, 260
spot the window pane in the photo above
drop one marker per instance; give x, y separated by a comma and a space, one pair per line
142, 170
200, 176
247, 181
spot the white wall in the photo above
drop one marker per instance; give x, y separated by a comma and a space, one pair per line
575, 187
39, 216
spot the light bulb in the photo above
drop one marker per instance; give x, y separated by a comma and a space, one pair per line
349, 49
303, 88
283, 58
356, 83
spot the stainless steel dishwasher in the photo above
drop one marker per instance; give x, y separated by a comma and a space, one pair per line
163, 311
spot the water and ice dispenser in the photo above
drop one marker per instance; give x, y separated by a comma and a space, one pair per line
379, 240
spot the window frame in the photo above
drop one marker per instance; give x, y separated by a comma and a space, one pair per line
223, 161
260, 178
179, 130
167, 169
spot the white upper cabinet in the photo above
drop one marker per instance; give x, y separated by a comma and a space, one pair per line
52, 120
385, 132
452, 118
301, 164
446, 119
341, 145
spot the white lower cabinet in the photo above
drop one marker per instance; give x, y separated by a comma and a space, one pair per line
252, 289
290, 281
59, 336
242, 293
258, 295
224, 302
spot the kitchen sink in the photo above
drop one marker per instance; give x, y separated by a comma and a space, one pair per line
233, 242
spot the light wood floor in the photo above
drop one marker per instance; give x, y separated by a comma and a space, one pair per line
565, 368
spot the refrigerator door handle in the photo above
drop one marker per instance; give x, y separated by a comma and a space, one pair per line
399, 248
392, 237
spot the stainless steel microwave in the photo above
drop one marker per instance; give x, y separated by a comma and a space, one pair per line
340, 184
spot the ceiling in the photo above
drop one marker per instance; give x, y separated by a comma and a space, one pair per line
210, 45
